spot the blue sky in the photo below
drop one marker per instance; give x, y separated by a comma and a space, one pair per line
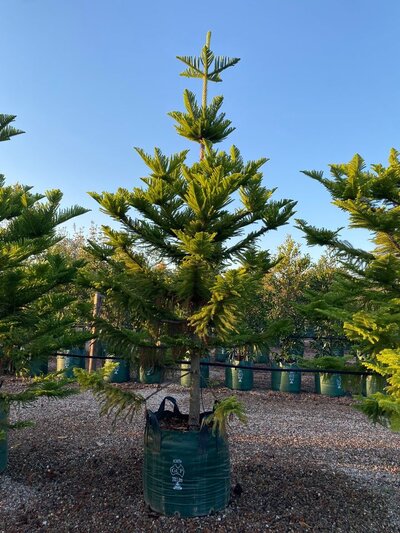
318, 81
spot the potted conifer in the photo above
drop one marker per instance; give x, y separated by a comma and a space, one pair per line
335, 383
286, 358
366, 295
210, 272
37, 312
239, 375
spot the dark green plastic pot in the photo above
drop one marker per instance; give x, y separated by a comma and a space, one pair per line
121, 373
239, 378
4, 437
150, 375
38, 366
228, 378
309, 333
286, 381
204, 373
374, 383
355, 385
329, 384
221, 354
185, 473
262, 356
69, 362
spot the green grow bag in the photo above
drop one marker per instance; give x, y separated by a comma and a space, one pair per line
286, 381
121, 373
38, 366
186, 473
204, 373
153, 374
239, 378
329, 384
3, 436
374, 383
69, 362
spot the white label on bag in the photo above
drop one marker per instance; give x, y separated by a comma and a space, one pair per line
177, 473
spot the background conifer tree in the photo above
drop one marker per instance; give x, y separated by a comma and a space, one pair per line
37, 314
183, 265
366, 296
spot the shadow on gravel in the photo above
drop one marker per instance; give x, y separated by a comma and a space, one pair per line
99, 489
293, 496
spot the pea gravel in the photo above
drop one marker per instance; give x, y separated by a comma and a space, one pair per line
305, 463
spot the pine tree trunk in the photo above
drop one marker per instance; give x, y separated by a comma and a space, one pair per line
194, 402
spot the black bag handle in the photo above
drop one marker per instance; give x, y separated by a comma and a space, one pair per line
161, 409
152, 422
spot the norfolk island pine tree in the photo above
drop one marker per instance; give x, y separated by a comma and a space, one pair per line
206, 267
37, 315
366, 294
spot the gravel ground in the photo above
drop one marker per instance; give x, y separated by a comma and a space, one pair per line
304, 462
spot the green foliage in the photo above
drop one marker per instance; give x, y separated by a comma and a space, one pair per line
37, 313
6, 130
223, 412
198, 124
202, 123
114, 401
366, 296
327, 362
285, 283
385, 408
52, 386
207, 65
186, 249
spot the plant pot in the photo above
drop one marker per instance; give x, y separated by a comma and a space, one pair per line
355, 385
185, 473
262, 356
286, 381
374, 383
4, 410
329, 384
239, 378
121, 373
221, 354
69, 362
38, 366
309, 332
228, 377
151, 375
204, 373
